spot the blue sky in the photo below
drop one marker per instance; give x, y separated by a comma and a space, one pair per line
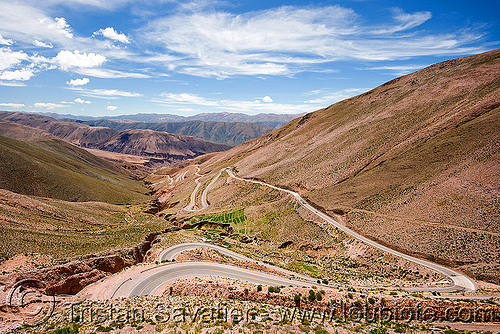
113, 57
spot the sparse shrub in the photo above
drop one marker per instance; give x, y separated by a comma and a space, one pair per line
296, 299
312, 295
259, 288
70, 329
320, 331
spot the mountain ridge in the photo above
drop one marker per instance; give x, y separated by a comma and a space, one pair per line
226, 133
268, 119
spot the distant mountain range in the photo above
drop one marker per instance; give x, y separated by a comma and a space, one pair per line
141, 142
227, 133
271, 120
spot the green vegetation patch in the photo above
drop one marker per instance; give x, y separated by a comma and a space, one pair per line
234, 217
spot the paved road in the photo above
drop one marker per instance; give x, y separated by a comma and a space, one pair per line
192, 203
461, 282
150, 282
204, 202
169, 254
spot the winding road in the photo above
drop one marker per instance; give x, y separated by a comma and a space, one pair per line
204, 202
170, 253
153, 279
461, 282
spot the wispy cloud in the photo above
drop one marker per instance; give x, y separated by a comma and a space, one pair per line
110, 74
288, 40
405, 21
12, 84
397, 69
193, 102
49, 105
26, 23
104, 93
12, 105
327, 96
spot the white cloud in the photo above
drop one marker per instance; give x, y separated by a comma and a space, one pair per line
67, 59
112, 34
9, 58
80, 101
267, 99
111, 108
36, 42
12, 105
5, 41
104, 93
49, 105
78, 82
20, 75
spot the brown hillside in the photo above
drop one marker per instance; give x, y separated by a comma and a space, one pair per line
78, 134
22, 132
414, 162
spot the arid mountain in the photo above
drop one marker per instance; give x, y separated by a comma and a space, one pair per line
56, 169
145, 142
158, 144
226, 133
23, 132
78, 134
414, 163
271, 120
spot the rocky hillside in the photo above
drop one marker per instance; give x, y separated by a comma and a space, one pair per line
413, 163
148, 143
226, 133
